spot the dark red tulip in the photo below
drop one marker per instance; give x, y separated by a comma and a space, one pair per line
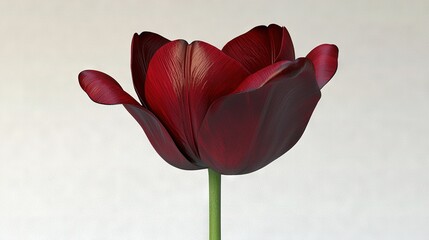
233, 110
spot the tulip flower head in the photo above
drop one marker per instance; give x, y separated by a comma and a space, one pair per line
233, 110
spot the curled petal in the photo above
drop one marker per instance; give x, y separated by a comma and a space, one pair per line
183, 80
261, 47
102, 88
325, 61
244, 132
143, 47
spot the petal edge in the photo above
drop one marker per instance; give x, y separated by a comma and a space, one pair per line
325, 61
260, 47
143, 47
160, 138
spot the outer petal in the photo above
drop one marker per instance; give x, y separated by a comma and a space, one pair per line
244, 132
160, 138
102, 88
183, 80
143, 47
325, 61
260, 47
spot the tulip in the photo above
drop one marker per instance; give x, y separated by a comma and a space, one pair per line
232, 111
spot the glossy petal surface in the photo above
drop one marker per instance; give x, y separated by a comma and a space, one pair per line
325, 61
244, 132
143, 47
183, 80
260, 47
102, 88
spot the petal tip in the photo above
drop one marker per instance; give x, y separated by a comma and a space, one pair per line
325, 61
102, 88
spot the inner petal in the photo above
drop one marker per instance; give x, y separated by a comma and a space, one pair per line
261, 47
183, 80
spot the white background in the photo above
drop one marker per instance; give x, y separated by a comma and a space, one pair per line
73, 169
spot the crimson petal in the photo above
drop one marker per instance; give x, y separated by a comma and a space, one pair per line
325, 61
183, 80
244, 132
260, 47
265, 75
102, 88
143, 47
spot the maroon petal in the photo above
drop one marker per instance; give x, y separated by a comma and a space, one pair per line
102, 88
183, 80
261, 47
160, 138
325, 61
263, 76
143, 47
244, 132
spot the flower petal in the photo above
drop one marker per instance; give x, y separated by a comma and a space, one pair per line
261, 47
265, 75
143, 47
102, 88
183, 80
325, 61
244, 132
160, 138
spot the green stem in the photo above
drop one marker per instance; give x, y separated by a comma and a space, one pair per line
214, 205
